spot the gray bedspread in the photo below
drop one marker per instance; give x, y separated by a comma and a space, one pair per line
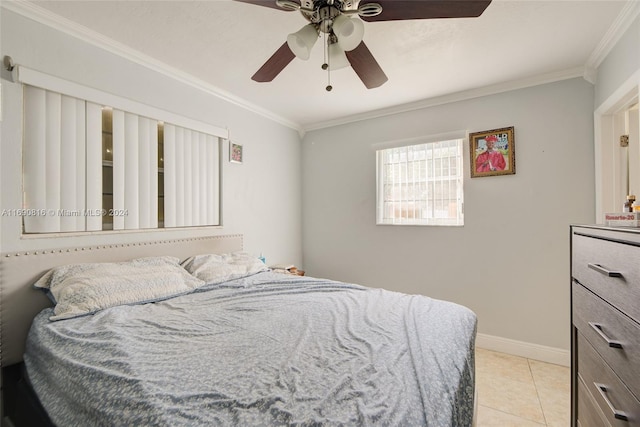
270, 349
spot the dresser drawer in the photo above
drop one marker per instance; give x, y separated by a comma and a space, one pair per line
595, 263
589, 414
615, 401
615, 337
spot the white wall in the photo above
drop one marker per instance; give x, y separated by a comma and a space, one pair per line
252, 201
510, 261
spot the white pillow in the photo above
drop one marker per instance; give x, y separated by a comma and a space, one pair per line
214, 268
80, 289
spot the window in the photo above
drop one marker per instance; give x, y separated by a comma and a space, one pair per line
420, 184
92, 167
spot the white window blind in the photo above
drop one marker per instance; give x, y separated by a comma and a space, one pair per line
94, 166
70, 186
191, 184
135, 171
54, 162
420, 184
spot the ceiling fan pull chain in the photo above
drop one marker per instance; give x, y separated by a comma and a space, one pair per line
325, 51
328, 63
327, 59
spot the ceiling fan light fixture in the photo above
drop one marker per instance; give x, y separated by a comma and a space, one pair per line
337, 57
349, 32
302, 42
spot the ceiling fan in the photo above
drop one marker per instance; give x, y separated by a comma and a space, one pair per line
339, 22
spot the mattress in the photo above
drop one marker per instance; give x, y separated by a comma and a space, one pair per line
268, 349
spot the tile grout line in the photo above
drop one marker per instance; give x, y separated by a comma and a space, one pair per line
529, 381
535, 386
514, 416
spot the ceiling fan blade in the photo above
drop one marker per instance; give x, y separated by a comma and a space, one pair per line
274, 65
366, 66
266, 3
395, 10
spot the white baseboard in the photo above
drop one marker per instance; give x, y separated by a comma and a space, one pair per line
543, 353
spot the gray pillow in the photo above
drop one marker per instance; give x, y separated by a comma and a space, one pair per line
214, 268
80, 289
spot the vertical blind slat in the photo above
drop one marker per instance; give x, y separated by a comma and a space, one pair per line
81, 160
153, 171
93, 188
213, 145
195, 178
34, 160
118, 168
68, 161
209, 190
188, 178
144, 169
132, 180
53, 150
170, 173
205, 189
180, 181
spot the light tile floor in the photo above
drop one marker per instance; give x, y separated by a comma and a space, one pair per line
518, 392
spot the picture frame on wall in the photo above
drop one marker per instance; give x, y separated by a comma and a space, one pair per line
235, 152
492, 152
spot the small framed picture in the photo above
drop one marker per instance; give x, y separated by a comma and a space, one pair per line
493, 152
235, 152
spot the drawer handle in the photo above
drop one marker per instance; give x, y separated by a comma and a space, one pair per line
619, 415
602, 270
598, 328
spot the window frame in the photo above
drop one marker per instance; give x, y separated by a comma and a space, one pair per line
98, 99
460, 137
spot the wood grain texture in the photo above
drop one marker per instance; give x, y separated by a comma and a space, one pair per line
396, 10
274, 65
366, 66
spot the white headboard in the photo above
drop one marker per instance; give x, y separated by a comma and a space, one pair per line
20, 302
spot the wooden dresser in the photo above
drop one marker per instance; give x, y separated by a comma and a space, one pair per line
605, 326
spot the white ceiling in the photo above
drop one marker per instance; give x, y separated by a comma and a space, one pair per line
222, 43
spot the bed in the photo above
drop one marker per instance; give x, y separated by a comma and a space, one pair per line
258, 348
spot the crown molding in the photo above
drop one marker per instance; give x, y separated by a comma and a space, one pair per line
45, 17
625, 18
454, 97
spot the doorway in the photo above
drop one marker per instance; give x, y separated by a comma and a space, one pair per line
617, 151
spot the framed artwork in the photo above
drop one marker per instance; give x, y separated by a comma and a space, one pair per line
235, 152
493, 152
